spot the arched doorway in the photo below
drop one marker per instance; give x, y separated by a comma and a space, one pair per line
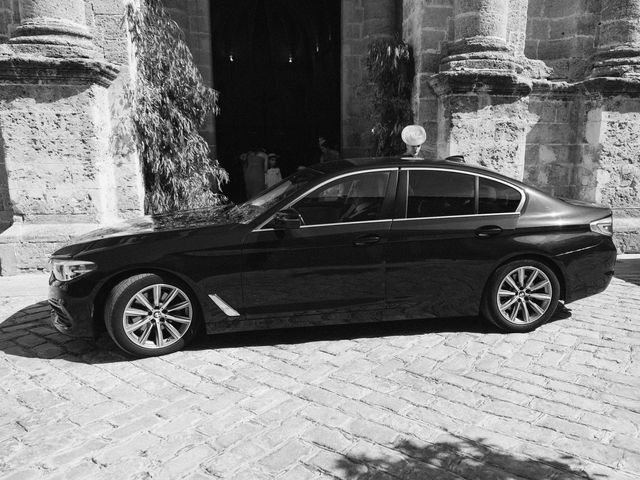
277, 67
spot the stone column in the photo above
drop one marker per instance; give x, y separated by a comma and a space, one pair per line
480, 36
483, 88
618, 53
613, 125
380, 19
61, 23
55, 124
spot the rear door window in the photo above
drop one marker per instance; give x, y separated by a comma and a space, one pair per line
433, 193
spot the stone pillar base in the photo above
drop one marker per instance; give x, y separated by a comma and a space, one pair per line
26, 247
57, 174
627, 233
484, 116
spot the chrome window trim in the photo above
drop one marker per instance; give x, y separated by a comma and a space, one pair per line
326, 182
333, 224
474, 215
523, 195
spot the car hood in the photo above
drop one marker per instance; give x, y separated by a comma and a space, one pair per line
183, 220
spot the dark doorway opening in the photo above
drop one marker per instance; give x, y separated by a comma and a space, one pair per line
277, 67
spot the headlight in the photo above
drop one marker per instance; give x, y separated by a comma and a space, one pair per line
65, 270
603, 227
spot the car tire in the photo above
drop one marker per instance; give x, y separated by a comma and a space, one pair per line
521, 295
150, 315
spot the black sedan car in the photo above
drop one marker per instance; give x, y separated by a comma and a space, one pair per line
351, 241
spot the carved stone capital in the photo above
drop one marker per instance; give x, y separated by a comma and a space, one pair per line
31, 69
491, 82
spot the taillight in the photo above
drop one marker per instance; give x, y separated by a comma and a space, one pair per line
603, 227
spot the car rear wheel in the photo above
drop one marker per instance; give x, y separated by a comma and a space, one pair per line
149, 315
521, 295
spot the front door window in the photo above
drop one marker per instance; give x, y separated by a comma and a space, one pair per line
356, 198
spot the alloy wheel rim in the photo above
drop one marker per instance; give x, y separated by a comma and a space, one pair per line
524, 295
157, 316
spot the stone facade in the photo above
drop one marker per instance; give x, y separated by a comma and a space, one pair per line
543, 90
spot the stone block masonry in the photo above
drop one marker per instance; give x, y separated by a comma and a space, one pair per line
363, 21
542, 91
194, 18
61, 172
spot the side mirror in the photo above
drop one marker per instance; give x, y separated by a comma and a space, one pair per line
287, 219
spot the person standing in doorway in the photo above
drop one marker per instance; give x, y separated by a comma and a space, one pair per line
273, 174
255, 167
327, 154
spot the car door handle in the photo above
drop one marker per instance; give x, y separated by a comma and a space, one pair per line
366, 240
488, 231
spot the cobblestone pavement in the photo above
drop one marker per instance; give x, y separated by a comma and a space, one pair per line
438, 399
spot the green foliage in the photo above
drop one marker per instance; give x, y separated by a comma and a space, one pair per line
170, 103
391, 69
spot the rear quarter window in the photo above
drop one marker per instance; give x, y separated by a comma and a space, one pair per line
497, 197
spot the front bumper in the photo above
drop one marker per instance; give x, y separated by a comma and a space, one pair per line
71, 314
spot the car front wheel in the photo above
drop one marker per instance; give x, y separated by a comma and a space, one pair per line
521, 295
148, 315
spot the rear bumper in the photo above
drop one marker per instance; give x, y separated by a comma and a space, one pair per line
589, 272
70, 314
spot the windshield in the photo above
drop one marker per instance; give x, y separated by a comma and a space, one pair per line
287, 188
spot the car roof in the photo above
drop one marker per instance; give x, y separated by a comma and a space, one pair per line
355, 164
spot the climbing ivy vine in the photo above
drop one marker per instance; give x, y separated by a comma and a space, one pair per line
170, 103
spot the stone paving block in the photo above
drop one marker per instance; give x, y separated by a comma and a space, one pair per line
630, 462
290, 453
299, 472
217, 423
241, 432
575, 429
186, 460
337, 465
327, 438
372, 431
325, 416
388, 402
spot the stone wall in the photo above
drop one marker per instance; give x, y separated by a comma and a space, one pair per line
614, 126
6, 19
106, 21
489, 130
427, 27
194, 17
9, 18
363, 21
558, 156
563, 34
